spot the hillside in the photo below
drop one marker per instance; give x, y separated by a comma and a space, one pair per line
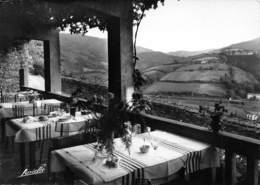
85, 57
250, 64
183, 53
248, 45
155, 58
218, 80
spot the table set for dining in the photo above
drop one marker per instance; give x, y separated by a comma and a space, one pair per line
167, 154
29, 128
37, 125
19, 96
154, 156
7, 109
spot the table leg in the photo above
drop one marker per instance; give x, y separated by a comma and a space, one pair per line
68, 176
32, 155
2, 122
22, 155
213, 175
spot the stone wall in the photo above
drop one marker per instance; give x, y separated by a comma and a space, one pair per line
9, 70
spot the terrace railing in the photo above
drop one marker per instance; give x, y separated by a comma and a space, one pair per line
232, 143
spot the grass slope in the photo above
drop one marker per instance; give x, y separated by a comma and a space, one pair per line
201, 79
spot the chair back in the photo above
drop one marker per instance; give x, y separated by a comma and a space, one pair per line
43, 133
48, 107
18, 110
6, 99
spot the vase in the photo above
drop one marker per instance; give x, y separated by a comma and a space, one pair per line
73, 111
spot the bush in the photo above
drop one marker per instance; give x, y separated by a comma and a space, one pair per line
37, 69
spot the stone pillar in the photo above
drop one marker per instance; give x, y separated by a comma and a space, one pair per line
52, 66
120, 53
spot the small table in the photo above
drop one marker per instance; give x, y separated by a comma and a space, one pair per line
6, 110
34, 130
157, 165
18, 96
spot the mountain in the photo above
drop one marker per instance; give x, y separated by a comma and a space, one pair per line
155, 58
253, 44
79, 53
141, 49
86, 57
183, 53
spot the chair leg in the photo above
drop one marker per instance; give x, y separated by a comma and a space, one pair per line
22, 155
68, 176
41, 150
2, 130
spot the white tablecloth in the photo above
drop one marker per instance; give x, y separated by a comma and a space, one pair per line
35, 130
172, 154
19, 96
6, 110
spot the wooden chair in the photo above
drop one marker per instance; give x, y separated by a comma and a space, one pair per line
48, 107
6, 99
42, 135
18, 111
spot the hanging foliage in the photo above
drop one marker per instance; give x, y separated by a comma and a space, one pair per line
32, 16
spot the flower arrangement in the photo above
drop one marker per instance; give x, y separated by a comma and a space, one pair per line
116, 122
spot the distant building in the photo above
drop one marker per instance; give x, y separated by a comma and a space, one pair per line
206, 60
253, 96
238, 52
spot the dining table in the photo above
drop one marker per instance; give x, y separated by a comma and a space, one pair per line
31, 129
30, 108
6, 109
167, 154
19, 96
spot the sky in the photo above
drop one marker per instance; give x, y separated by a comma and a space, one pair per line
194, 25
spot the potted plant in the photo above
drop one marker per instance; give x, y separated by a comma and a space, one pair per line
216, 117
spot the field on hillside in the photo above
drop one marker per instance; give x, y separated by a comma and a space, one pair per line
238, 108
173, 88
211, 79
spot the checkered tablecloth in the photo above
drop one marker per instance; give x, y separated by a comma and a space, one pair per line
172, 153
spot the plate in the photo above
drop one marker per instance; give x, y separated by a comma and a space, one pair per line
43, 118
